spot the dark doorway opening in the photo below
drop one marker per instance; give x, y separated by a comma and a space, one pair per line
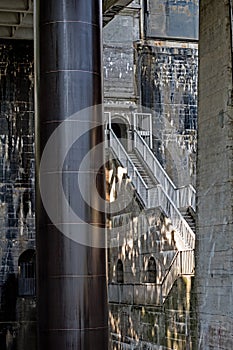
120, 129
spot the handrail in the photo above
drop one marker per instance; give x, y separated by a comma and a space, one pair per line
178, 221
182, 264
159, 198
133, 173
153, 197
170, 276
183, 196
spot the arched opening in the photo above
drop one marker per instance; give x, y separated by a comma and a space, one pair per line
151, 271
27, 273
117, 130
120, 128
120, 272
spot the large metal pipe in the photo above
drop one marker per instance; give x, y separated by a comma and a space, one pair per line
71, 283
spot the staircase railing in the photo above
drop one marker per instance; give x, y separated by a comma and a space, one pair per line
132, 171
158, 197
170, 277
153, 197
183, 196
182, 264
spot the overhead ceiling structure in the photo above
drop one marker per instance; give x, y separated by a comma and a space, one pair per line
112, 7
16, 17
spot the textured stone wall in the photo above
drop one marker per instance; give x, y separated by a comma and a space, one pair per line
149, 327
17, 205
167, 85
214, 254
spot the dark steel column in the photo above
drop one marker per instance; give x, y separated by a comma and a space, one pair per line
71, 284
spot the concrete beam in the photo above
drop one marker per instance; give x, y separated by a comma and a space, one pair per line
112, 7
16, 6
7, 32
16, 19
9, 19
108, 4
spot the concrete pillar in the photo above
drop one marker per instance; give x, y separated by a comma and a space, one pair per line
214, 263
71, 284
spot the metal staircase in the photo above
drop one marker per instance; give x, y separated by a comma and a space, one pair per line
189, 216
156, 196
148, 179
182, 197
156, 189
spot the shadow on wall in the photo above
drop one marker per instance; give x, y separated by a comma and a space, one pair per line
8, 313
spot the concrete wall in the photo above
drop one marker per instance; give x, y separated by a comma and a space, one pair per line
214, 258
140, 327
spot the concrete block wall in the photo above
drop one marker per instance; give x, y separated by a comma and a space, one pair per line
147, 327
167, 74
17, 203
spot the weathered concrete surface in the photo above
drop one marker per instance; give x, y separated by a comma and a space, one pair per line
167, 86
214, 259
154, 328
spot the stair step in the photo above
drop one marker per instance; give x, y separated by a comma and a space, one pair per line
141, 169
189, 219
